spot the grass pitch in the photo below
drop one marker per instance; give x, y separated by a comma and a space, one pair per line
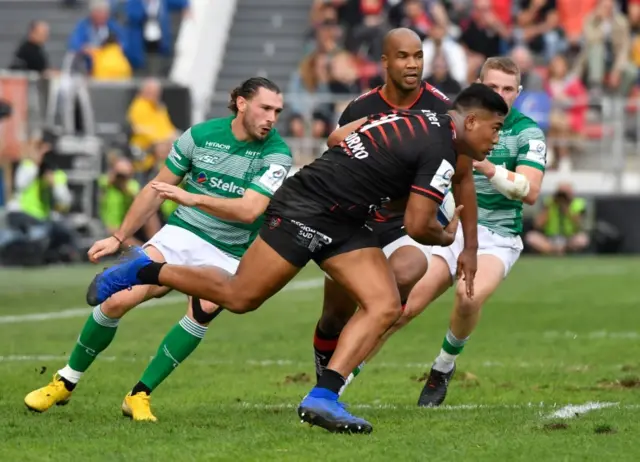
559, 332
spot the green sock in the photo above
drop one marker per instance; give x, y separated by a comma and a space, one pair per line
95, 337
177, 345
451, 348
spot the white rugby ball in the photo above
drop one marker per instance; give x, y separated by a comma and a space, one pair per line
446, 209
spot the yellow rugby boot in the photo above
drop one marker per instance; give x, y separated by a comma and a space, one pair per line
43, 398
138, 407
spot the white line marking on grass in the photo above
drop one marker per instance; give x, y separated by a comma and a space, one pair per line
581, 409
260, 363
596, 335
168, 300
570, 411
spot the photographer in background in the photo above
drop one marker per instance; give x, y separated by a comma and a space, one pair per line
41, 194
118, 188
560, 224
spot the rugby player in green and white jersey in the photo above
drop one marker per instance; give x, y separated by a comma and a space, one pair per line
231, 167
510, 175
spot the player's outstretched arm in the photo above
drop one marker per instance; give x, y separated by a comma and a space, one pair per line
421, 223
339, 134
523, 184
142, 209
245, 209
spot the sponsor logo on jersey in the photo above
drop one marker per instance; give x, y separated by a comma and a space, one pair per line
253, 153
537, 152
273, 178
355, 146
432, 117
202, 177
226, 186
215, 145
208, 159
441, 181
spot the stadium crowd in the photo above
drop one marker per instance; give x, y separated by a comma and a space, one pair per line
571, 52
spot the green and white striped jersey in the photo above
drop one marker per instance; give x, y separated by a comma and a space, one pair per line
521, 142
215, 163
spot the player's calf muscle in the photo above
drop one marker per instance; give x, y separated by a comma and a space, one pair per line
408, 265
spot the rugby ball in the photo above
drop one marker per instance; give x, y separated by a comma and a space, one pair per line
446, 209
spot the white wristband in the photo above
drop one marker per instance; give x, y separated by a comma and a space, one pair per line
512, 185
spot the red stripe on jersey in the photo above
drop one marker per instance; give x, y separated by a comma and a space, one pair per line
424, 124
437, 93
413, 132
344, 146
370, 92
369, 135
384, 135
428, 191
395, 128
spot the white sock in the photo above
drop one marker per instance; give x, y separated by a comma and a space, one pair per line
351, 377
444, 362
70, 375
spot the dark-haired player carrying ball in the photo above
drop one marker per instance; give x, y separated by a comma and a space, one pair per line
403, 89
319, 214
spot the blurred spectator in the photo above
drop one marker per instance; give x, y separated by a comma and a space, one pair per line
570, 109
605, 55
343, 74
440, 44
483, 36
31, 55
531, 80
419, 16
117, 191
322, 11
93, 31
441, 79
560, 224
149, 40
537, 27
41, 192
149, 118
572, 15
366, 38
633, 13
109, 61
310, 80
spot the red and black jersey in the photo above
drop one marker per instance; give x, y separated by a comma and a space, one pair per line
373, 102
392, 154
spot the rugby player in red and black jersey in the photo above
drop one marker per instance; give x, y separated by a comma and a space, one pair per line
402, 157
403, 89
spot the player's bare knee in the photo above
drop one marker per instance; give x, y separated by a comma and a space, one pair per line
387, 311
116, 307
243, 304
408, 265
466, 306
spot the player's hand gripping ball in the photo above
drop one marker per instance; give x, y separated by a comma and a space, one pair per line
446, 209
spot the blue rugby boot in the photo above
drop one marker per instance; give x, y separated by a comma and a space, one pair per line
321, 407
122, 275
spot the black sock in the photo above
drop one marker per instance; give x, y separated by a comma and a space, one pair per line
149, 274
323, 346
140, 387
68, 385
331, 380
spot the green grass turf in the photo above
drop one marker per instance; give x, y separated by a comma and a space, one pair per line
558, 332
